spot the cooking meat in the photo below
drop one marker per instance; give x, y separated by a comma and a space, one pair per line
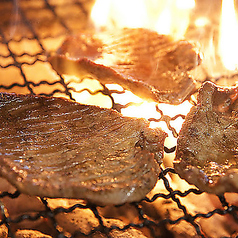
152, 66
207, 149
53, 147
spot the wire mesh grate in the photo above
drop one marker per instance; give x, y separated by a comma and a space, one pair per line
29, 30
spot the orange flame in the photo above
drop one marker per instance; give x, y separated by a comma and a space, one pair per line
162, 16
228, 42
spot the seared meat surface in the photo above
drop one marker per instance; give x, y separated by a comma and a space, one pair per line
207, 149
152, 66
53, 147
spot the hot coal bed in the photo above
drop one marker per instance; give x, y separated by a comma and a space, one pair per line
29, 30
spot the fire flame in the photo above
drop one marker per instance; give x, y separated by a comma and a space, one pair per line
109, 13
228, 43
172, 17
161, 16
174, 12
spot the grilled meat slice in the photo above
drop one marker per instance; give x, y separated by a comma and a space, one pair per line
207, 149
152, 66
53, 147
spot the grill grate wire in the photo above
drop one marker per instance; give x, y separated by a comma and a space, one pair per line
30, 24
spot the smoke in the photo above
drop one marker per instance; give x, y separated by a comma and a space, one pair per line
14, 18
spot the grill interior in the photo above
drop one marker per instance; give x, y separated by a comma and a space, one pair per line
29, 30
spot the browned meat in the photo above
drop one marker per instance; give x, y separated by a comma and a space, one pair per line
53, 147
207, 149
150, 65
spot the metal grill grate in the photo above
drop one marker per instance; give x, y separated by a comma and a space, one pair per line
28, 31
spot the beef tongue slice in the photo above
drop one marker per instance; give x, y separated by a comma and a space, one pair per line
207, 149
152, 66
53, 147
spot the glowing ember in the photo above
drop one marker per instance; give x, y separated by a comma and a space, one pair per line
228, 45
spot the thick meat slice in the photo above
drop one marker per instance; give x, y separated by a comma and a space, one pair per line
53, 147
150, 65
207, 149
